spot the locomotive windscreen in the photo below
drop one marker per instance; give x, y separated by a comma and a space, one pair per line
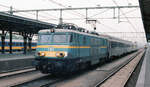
60, 39
56, 38
44, 39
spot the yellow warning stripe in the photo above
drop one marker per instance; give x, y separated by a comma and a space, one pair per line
103, 46
61, 46
7, 48
65, 46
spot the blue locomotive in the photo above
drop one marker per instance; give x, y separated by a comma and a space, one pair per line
68, 49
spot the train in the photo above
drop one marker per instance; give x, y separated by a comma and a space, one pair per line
67, 49
17, 45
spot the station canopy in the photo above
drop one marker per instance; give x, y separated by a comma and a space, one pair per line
145, 10
22, 24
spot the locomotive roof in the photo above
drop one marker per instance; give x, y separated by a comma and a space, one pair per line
110, 38
69, 30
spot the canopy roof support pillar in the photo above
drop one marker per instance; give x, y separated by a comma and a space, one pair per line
24, 34
10, 41
3, 41
30, 41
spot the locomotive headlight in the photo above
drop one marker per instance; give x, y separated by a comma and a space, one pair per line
57, 54
42, 54
61, 54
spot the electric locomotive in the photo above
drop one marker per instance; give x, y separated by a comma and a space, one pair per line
68, 49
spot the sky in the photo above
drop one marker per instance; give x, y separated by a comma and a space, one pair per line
104, 26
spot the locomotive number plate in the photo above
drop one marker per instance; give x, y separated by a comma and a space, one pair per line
51, 49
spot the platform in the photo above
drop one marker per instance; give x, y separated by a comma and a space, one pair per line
16, 61
144, 76
16, 55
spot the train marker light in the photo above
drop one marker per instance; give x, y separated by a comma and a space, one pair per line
38, 53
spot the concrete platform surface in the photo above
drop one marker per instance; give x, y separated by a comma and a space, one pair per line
16, 61
144, 76
15, 55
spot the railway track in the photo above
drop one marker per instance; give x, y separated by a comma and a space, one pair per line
19, 77
15, 72
40, 80
44, 81
117, 70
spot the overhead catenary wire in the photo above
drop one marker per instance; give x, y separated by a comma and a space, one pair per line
4, 6
109, 27
48, 14
98, 17
59, 4
129, 11
93, 18
99, 13
125, 16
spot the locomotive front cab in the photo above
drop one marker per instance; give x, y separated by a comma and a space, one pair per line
53, 44
53, 51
